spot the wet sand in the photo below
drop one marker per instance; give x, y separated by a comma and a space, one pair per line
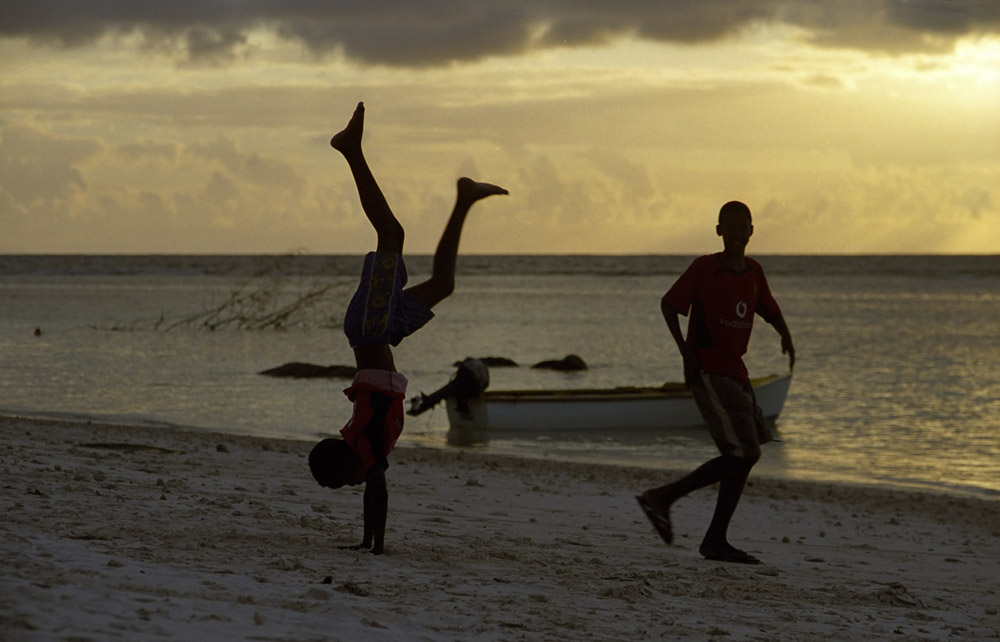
136, 533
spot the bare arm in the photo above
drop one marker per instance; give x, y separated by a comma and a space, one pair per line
786, 338
376, 509
376, 497
376, 493
692, 368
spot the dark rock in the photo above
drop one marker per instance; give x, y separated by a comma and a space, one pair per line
569, 363
495, 362
310, 371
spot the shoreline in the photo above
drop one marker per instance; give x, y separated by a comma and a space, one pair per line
760, 472
191, 534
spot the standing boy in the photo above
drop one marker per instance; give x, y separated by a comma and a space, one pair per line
379, 316
722, 292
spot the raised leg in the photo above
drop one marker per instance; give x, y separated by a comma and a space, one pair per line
376, 208
711, 472
442, 280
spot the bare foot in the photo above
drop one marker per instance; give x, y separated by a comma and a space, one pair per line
471, 191
656, 502
726, 552
659, 520
348, 140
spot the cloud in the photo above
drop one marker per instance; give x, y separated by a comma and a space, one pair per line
63, 193
147, 151
251, 167
38, 168
402, 33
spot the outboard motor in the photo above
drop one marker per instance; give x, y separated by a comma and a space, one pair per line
468, 382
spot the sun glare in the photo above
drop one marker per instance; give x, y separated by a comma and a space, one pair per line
979, 60
973, 65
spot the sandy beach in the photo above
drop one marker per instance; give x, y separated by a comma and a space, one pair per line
134, 533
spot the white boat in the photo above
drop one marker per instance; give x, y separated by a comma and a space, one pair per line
668, 406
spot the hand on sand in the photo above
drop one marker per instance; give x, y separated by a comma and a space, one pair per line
363, 546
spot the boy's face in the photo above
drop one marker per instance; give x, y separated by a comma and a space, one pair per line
735, 230
354, 476
351, 475
334, 465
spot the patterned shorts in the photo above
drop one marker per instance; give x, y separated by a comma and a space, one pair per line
734, 419
380, 310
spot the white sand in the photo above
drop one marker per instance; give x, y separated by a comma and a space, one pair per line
228, 538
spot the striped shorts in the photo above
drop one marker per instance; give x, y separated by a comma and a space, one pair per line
734, 419
381, 311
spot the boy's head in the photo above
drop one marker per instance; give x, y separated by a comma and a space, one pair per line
735, 210
735, 224
333, 464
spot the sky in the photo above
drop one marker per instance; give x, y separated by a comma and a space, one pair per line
847, 126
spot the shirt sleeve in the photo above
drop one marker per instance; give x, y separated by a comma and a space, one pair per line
681, 294
767, 306
354, 432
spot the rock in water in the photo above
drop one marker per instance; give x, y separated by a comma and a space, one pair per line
310, 371
569, 363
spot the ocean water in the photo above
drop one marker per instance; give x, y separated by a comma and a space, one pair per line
896, 381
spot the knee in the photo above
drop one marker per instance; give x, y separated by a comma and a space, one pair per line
391, 237
442, 282
445, 286
743, 462
436, 289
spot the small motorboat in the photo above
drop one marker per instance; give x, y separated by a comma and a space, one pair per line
472, 408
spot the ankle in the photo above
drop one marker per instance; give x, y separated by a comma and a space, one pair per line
713, 547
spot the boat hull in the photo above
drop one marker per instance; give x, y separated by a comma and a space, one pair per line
671, 406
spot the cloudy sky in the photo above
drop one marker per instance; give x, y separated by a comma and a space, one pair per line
849, 126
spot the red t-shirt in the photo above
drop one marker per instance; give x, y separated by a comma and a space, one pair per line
722, 305
374, 443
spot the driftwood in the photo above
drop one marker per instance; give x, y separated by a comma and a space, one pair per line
268, 300
251, 306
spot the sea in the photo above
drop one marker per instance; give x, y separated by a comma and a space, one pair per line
896, 381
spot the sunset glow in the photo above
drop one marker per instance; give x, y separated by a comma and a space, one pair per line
873, 130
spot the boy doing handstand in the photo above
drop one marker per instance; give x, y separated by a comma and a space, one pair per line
380, 315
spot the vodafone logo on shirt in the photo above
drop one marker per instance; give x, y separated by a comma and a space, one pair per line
741, 312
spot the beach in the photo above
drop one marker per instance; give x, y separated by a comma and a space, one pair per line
118, 532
